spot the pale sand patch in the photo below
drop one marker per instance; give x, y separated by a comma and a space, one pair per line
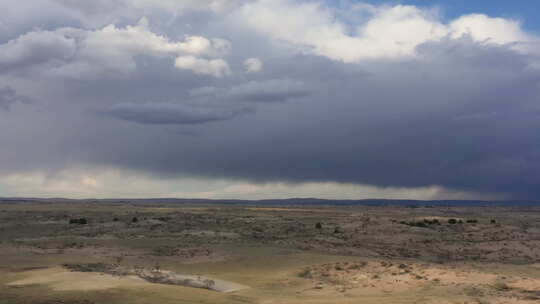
457, 276
60, 279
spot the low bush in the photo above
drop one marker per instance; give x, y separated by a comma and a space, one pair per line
80, 221
422, 224
306, 274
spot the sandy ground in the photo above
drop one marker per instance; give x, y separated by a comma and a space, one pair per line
378, 277
61, 279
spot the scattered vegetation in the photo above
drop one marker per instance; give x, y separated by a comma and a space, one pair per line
473, 292
197, 235
79, 221
426, 223
92, 267
501, 286
306, 274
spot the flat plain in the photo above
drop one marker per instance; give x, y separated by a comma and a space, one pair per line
90, 252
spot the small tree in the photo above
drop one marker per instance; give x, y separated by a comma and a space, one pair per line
134, 219
318, 226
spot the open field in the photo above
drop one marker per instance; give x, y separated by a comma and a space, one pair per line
194, 253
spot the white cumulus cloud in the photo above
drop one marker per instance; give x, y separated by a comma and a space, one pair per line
253, 65
78, 53
378, 32
214, 67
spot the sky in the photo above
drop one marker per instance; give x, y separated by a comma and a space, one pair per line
524, 10
255, 99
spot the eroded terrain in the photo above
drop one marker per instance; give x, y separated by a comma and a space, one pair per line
165, 253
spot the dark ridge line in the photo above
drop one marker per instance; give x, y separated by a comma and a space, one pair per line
280, 202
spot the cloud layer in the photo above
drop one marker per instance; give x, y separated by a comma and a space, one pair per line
268, 96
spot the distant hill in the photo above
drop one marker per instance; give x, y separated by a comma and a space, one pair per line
278, 202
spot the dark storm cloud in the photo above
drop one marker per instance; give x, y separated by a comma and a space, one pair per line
8, 97
460, 114
169, 113
465, 123
35, 48
275, 90
19, 17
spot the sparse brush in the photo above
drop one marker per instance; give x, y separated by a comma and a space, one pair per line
501, 286
306, 274
482, 301
356, 266
473, 292
81, 221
